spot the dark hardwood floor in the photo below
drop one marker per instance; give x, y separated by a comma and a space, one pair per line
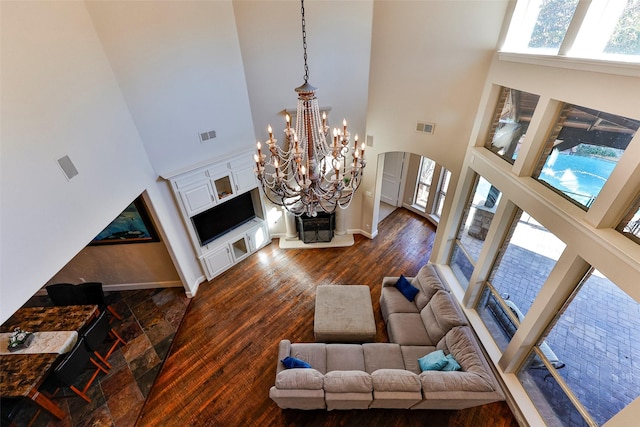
223, 358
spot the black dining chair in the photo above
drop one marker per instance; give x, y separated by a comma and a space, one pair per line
96, 334
9, 408
63, 294
73, 366
92, 293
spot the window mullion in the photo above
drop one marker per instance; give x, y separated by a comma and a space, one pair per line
574, 27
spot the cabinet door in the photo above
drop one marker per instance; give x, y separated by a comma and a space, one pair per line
258, 237
197, 197
243, 173
218, 261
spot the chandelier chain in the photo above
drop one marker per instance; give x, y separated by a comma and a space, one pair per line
304, 42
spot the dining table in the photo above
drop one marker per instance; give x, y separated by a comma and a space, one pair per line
22, 374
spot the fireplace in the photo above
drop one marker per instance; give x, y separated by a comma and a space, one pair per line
316, 229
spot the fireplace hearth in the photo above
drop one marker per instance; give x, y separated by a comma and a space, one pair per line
316, 229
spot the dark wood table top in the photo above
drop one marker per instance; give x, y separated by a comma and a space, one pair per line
22, 373
39, 319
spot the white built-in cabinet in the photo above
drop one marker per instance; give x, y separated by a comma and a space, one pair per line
210, 184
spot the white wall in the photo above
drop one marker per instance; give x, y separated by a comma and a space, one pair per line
179, 68
429, 62
59, 97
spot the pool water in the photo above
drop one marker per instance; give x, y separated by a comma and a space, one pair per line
579, 177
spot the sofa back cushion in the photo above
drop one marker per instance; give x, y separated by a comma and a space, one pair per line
462, 344
300, 379
440, 315
345, 357
382, 356
315, 354
348, 382
428, 281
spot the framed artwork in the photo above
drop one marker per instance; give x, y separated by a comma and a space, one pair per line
133, 225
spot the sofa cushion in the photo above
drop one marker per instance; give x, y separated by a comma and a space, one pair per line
292, 362
457, 381
395, 380
428, 281
434, 361
406, 288
440, 315
407, 329
462, 344
411, 354
348, 382
392, 301
305, 379
382, 356
345, 357
314, 354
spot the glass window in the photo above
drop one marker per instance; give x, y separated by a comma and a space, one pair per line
604, 29
510, 123
625, 37
554, 17
445, 177
582, 151
596, 339
473, 230
424, 182
521, 268
630, 224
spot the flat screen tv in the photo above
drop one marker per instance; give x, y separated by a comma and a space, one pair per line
220, 219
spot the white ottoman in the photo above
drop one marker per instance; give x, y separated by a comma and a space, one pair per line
344, 313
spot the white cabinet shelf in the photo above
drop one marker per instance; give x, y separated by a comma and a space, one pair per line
209, 185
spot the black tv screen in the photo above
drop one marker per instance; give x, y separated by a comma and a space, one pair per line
223, 218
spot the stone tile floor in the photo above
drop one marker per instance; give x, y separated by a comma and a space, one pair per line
150, 320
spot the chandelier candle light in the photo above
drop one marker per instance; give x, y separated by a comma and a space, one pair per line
310, 175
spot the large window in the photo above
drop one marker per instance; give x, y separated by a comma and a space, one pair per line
522, 266
601, 29
596, 337
473, 229
582, 151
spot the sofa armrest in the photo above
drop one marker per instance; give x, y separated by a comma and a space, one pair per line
389, 281
284, 350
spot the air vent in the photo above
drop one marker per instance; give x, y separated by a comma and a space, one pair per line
205, 136
67, 166
369, 141
425, 127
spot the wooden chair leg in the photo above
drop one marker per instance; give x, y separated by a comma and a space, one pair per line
114, 312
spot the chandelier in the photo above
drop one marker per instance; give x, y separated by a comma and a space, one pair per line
310, 175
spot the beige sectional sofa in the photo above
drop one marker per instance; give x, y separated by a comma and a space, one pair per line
387, 375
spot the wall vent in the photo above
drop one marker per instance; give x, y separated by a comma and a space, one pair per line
425, 127
369, 140
205, 136
67, 166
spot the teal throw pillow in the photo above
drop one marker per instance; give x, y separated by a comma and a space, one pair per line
292, 362
452, 364
433, 361
406, 288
